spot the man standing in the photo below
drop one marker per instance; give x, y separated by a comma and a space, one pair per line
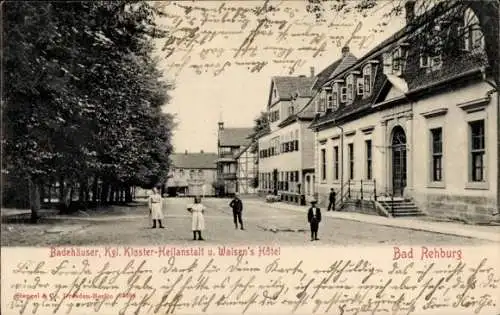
331, 205
237, 207
314, 218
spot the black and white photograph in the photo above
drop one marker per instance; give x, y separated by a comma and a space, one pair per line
135, 122
250, 157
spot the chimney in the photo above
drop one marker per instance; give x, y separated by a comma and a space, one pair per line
345, 51
186, 152
312, 72
410, 11
201, 151
221, 125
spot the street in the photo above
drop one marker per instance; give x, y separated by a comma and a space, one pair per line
263, 225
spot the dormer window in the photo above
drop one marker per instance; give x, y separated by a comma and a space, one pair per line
321, 102
396, 60
350, 88
360, 86
329, 98
343, 94
335, 96
473, 36
425, 61
367, 79
387, 63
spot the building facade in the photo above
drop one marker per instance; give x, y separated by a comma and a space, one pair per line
235, 163
286, 149
416, 124
192, 174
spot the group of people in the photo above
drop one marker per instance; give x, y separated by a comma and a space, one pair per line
197, 210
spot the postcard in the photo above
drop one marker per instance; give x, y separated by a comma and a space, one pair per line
250, 157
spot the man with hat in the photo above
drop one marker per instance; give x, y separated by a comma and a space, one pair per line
314, 218
237, 205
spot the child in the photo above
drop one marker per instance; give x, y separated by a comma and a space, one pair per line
198, 220
314, 218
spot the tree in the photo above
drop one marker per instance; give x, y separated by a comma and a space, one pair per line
82, 98
436, 26
261, 125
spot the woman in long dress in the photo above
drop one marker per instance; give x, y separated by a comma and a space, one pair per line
155, 208
198, 221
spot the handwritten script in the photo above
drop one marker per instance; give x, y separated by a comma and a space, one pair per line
237, 280
213, 36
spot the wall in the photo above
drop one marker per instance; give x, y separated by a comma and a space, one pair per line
456, 196
353, 133
247, 170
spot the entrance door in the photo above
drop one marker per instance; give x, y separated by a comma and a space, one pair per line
275, 182
398, 161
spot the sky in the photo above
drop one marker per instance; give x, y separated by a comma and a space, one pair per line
235, 94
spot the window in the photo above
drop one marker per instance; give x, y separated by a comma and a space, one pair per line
321, 102
290, 110
473, 36
424, 61
477, 153
351, 160
437, 154
350, 90
436, 62
369, 171
335, 96
367, 79
343, 94
329, 99
191, 174
336, 162
396, 60
323, 164
387, 63
360, 86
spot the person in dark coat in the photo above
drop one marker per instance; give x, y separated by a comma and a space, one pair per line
237, 205
314, 218
331, 204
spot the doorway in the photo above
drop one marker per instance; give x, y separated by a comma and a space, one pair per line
398, 143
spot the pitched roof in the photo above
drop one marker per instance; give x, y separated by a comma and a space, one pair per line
235, 137
335, 68
194, 160
288, 86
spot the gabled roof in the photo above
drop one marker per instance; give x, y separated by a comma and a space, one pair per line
288, 86
335, 68
194, 160
345, 63
235, 137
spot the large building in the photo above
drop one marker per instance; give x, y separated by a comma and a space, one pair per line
286, 150
417, 125
192, 174
236, 164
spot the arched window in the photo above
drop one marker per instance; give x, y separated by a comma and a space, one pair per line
367, 79
473, 36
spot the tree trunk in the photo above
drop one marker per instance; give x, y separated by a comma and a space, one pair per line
61, 190
112, 194
34, 192
104, 193
95, 189
128, 194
